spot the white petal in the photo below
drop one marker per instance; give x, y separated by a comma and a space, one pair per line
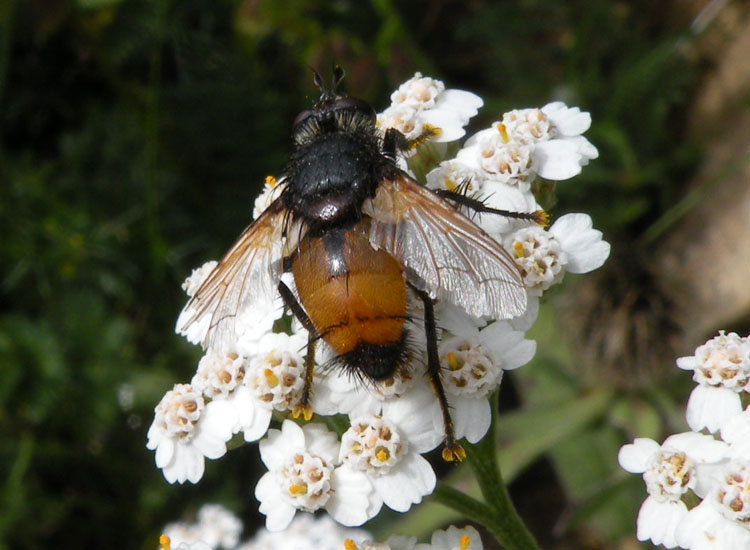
707, 476
215, 428
701, 448
520, 354
326, 397
658, 521
736, 432
337, 393
266, 489
355, 500
164, 452
322, 442
569, 121
465, 103
219, 417
280, 516
449, 122
278, 511
454, 319
704, 527
154, 436
687, 363
476, 138
406, 484
450, 539
259, 426
209, 446
279, 443
408, 413
585, 148
525, 321
584, 245
195, 468
557, 159
187, 465
471, 418
710, 406
634, 457
507, 346
244, 404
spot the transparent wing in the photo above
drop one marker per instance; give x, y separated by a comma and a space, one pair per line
247, 276
443, 252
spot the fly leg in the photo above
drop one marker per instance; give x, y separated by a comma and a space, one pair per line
540, 217
303, 408
452, 451
394, 141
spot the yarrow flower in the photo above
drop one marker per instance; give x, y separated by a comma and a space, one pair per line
722, 519
275, 380
186, 430
166, 544
307, 532
387, 449
424, 102
717, 471
474, 357
453, 538
216, 527
721, 367
257, 369
303, 475
571, 244
500, 159
219, 373
528, 142
669, 471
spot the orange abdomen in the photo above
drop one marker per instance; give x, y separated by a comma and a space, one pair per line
354, 295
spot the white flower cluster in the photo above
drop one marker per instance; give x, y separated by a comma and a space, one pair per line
378, 460
499, 164
453, 538
715, 470
422, 101
218, 528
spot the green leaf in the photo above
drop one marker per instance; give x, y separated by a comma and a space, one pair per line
96, 4
637, 416
603, 496
525, 435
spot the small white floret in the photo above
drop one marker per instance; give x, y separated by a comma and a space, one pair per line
186, 430
303, 475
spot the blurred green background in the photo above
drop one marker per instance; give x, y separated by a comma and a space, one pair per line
135, 135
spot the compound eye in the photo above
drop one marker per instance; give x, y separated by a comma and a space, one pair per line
354, 104
302, 117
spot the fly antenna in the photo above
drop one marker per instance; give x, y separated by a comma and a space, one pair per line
318, 80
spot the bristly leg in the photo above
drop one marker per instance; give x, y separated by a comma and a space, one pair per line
394, 141
303, 408
540, 217
452, 451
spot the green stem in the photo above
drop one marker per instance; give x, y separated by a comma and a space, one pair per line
472, 509
482, 458
516, 535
